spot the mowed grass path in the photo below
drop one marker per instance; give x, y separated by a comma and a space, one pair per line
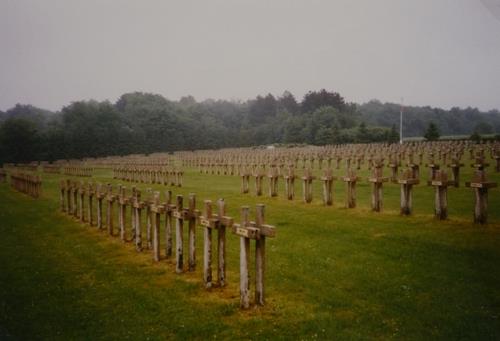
332, 273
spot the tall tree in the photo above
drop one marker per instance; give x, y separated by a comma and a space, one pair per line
316, 99
362, 135
19, 140
262, 108
393, 135
432, 132
288, 102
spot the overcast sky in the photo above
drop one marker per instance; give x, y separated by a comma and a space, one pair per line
431, 52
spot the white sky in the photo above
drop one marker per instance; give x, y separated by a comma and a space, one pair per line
431, 52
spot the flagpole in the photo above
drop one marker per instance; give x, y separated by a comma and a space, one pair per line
401, 122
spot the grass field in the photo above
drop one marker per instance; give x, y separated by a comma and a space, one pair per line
332, 273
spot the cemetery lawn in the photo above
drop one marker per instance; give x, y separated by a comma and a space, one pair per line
331, 273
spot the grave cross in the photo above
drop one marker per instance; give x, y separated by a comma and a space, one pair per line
99, 196
169, 208
440, 183
433, 166
258, 175
307, 179
327, 179
480, 184
257, 231
82, 192
157, 209
289, 183
138, 205
350, 179
377, 179
181, 214
219, 222
149, 218
110, 198
393, 165
273, 181
407, 181
455, 170
74, 190
123, 201
245, 179
90, 194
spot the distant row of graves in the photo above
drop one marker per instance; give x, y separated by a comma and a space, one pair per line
403, 161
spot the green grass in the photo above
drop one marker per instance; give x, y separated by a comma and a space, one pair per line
332, 273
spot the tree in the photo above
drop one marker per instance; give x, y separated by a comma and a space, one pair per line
483, 128
187, 101
30, 113
362, 134
93, 129
262, 108
288, 102
432, 132
314, 100
393, 135
19, 140
293, 130
475, 136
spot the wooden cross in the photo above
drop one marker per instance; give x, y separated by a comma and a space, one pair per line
455, 170
178, 176
209, 223
245, 180
327, 179
377, 179
99, 196
433, 166
157, 209
138, 205
110, 198
307, 180
181, 214
273, 181
219, 222
480, 184
74, 190
132, 212
440, 183
289, 183
90, 195
258, 175
257, 231
191, 215
393, 165
415, 168
339, 161
348, 162
123, 201
149, 218
350, 179
169, 208
407, 181
359, 161
82, 191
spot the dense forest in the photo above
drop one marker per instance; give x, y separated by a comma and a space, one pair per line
146, 123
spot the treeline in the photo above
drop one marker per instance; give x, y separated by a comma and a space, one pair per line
145, 123
455, 121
